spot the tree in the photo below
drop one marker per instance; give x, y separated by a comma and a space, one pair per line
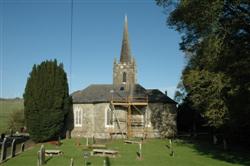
215, 38
46, 101
16, 120
206, 95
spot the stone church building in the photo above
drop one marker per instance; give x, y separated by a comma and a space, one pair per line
121, 109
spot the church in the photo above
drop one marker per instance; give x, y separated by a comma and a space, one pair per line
122, 109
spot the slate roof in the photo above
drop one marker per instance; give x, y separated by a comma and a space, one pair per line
93, 94
156, 96
101, 93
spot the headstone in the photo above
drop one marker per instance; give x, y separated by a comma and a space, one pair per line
42, 155
22, 147
38, 158
71, 162
78, 140
13, 148
59, 141
68, 134
4, 149
87, 141
85, 156
171, 148
140, 150
11, 132
215, 139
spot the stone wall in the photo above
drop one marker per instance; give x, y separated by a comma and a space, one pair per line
94, 122
170, 111
87, 128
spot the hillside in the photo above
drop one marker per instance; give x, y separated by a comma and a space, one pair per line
7, 106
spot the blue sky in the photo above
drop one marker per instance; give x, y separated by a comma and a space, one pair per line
32, 31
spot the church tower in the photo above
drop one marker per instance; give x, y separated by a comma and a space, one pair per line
124, 71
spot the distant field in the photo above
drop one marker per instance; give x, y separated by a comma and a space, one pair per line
7, 106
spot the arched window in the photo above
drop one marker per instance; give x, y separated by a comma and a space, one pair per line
124, 77
78, 117
109, 117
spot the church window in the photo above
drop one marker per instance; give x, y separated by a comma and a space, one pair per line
109, 118
124, 77
78, 117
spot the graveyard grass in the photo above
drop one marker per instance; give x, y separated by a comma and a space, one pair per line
154, 151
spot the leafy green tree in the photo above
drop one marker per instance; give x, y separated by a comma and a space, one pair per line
215, 38
16, 120
46, 101
206, 94
180, 93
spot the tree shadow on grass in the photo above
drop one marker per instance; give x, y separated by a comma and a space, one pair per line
48, 159
167, 146
234, 155
107, 161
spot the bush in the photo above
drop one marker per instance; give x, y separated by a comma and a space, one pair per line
16, 120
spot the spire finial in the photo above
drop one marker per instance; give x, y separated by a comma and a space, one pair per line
125, 51
126, 18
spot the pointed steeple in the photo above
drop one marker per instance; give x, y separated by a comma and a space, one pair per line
125, 51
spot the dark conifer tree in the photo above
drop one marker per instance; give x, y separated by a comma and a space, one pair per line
46, 101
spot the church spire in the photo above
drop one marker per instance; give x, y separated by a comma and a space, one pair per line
125, 51
124, 72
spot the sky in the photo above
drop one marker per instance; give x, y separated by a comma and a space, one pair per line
32, 31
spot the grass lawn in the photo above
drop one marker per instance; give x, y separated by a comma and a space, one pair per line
6, 108
155, 153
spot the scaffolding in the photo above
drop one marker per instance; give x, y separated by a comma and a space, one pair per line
129, 103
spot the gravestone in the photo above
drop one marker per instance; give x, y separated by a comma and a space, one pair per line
59, 141
11, 132
22, 147
215, 140
140, 150
171, 148
42, 155
4, 150
13, 148
68, 134
87, 141
38, 158
85, 156
71, 162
